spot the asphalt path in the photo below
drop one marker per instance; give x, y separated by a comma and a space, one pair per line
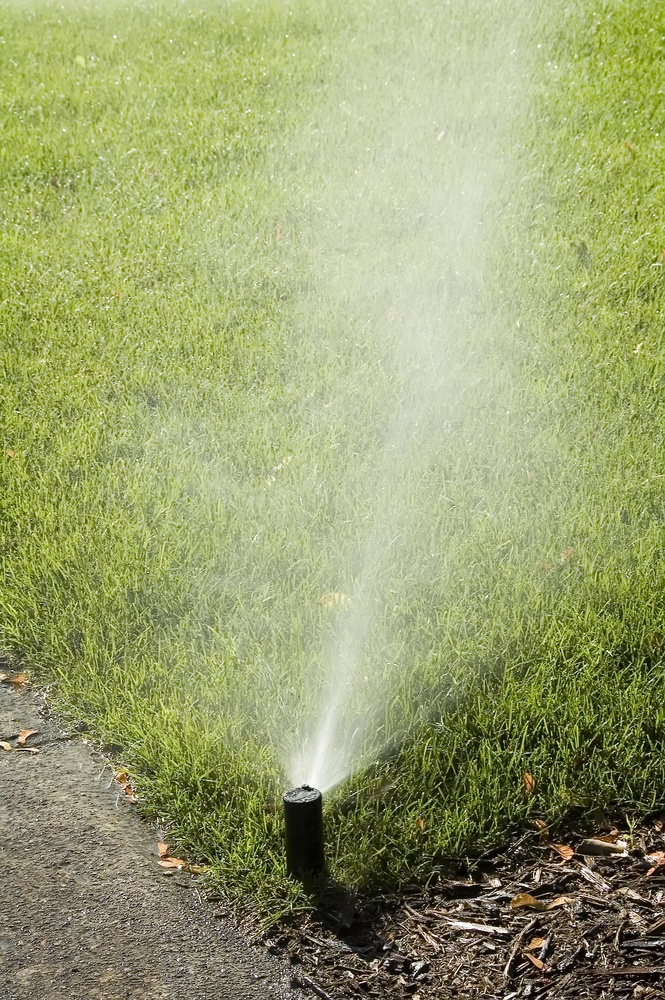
85, 910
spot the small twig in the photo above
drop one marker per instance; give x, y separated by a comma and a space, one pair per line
629, 970
417, 916
431, 939
618, 937
593, 879
542, 954
516, 945
466, 925
311, 985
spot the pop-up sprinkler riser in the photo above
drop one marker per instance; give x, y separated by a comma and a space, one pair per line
303, 821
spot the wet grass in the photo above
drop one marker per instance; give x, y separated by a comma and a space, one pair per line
189, 412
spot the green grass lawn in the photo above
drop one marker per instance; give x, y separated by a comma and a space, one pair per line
222, 272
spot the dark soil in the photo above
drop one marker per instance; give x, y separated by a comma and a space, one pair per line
86, 911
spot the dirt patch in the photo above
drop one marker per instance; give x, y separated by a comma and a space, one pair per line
85, 911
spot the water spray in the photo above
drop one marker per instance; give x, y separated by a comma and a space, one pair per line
303, 819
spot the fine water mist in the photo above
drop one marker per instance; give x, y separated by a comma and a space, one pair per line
423, 153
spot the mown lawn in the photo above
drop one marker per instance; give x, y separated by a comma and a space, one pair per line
301, 301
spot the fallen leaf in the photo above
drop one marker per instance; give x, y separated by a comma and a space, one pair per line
24, 735
525, 901
529, 782
656, 858
611, 837
559, 901
566, 852
329, 600
19, 680
125, 783
5, 745
10, 453
420, 823
181, 865
4, 677
566, 554
535, 944
537, 962
162, 849
541, 827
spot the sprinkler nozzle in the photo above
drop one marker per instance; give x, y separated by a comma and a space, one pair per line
303, 819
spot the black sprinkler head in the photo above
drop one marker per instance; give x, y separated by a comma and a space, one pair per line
303, 819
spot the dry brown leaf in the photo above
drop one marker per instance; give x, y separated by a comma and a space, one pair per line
181, 865
162, 849
125, 783
5, 745
566, 852
536, 961
542, 828
535, 944
18, 680
559, 901
330, 600
566, 554
611, 837
525, 901
420, 823
10, 453
4, 677
24, 735
529, 782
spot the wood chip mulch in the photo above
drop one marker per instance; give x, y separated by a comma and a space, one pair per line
584, 919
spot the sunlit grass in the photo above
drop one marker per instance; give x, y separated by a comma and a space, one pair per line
188, 415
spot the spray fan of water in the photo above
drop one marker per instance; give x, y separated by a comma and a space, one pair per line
424, 161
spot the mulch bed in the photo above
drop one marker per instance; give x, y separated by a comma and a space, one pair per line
580, 919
